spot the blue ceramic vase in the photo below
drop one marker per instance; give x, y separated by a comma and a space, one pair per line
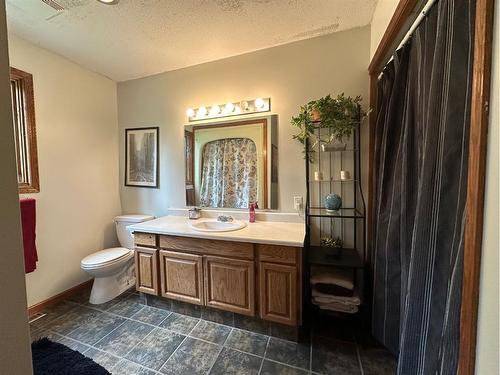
333, 202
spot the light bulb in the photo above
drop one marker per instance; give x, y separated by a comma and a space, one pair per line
190, 112
229, 108
214, 110
202, 111
259, 103
244, 105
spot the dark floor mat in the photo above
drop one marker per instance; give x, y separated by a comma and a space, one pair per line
52, 358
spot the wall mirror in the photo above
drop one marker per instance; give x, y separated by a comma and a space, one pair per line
232, 164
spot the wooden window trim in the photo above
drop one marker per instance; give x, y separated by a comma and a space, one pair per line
404, 16
29, 104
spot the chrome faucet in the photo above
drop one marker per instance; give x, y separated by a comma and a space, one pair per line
224, 218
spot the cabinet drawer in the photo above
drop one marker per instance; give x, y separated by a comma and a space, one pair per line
278, 254
146, 270
145, 239
181, 276
230, 284
208, 247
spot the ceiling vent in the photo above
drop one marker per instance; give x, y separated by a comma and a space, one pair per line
54, 5
35, 10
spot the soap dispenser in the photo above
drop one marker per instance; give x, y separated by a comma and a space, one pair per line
252, 208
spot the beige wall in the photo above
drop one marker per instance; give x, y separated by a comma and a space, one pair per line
15, 354
76, 119
487, 360
291, 75
381, 17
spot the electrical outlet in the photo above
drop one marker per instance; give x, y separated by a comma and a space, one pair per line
297, 203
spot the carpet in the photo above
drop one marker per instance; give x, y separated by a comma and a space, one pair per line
52, 358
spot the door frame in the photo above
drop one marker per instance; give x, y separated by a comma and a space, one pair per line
404, 16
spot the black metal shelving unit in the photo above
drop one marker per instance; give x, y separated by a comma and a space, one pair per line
349, 222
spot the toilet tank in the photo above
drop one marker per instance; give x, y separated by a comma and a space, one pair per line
122, 222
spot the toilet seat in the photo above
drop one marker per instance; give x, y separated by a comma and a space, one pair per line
106, 258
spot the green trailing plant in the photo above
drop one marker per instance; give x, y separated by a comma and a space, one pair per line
339, 115
335, 243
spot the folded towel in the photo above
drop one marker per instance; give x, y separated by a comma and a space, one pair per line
334, 290
328, 298
351, 309
326, 275
28, 221
322, 300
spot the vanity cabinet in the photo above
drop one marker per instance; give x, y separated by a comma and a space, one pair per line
145, 239
278, 293
240, 277
279, 283
230, 284
146, 270
181, 276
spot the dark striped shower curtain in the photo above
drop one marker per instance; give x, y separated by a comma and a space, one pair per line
421, 144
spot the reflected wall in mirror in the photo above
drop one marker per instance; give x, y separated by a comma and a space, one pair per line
229, 165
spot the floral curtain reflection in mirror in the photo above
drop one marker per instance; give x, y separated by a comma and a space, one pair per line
228, 164
229, 173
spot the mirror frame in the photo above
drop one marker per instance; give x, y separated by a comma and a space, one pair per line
266, 122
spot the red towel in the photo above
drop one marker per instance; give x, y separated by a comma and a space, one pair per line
28, 221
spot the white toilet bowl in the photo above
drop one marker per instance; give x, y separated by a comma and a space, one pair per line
113, 269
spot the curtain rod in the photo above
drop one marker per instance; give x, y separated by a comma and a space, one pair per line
411, 30
417, 22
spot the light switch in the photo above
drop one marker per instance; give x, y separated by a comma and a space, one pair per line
297, 203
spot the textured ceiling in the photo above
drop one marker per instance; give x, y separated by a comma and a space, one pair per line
137, 38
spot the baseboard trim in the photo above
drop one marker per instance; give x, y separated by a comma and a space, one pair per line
32, 310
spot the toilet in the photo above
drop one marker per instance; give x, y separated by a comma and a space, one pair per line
113, 269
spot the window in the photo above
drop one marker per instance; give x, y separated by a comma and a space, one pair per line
23, 111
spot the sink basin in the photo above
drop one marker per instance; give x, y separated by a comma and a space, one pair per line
217, 226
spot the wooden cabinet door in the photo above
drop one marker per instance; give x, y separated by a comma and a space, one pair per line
278, 293
146, 270
181, 276
230, 284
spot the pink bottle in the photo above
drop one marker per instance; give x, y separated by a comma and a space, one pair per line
252, 207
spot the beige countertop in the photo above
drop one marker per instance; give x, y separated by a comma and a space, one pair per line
265, 232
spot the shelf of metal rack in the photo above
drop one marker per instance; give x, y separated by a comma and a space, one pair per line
342, 258
343, 213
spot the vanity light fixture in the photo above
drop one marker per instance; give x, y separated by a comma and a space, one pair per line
229, 109
202, 112
214, 110
244, 105
259, 103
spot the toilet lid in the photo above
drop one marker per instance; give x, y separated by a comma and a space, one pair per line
105, 256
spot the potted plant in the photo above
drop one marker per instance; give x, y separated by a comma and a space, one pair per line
333, 245
337, 114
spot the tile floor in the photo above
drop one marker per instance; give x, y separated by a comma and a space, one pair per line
129, 338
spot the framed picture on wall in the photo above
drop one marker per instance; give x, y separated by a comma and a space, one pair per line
142, 157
